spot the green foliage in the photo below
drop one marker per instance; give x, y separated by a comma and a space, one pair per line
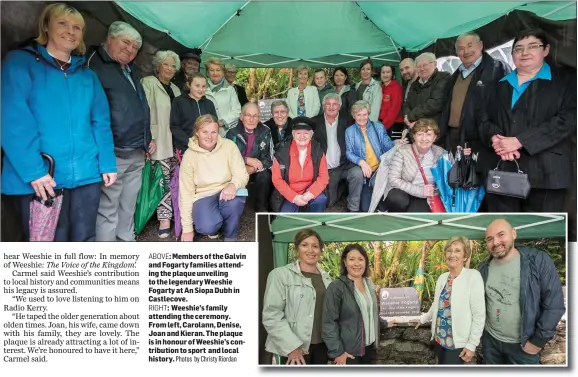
434, 266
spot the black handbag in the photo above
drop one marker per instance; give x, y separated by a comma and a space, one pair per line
514, 184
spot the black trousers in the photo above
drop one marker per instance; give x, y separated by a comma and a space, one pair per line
262, 189
77, 219
317, 355
397, 128
539, 200
400, 201
368, 358
448, 357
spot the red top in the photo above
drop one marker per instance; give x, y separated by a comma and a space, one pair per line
300, 179
392, 99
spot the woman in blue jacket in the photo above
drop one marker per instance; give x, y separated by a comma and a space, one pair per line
53, 104
365, 142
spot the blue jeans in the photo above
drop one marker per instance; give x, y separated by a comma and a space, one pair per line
77, 218
211, 214
316, 205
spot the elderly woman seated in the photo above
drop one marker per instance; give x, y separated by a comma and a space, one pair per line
303, 100
300, 172
365, 142
406, 190
211, 172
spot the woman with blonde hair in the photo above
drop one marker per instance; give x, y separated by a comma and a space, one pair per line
304, 99
458, 313
161, 93
293, 305
211, 172
223, 95
53, 104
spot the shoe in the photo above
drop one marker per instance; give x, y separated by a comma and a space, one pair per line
164, 233
214, 236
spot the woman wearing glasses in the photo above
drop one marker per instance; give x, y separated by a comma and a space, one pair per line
458, 313
528, 116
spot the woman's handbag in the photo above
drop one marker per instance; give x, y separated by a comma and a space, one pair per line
435, 202
514, 184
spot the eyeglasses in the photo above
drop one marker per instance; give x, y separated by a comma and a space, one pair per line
424, 65
521, 49
256, 116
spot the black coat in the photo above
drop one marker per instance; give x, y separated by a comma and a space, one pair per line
320, 135
427, 100
184, 113
543, 119
129, 109
180, 80
241, 94
262, 149
489, 71
275, 136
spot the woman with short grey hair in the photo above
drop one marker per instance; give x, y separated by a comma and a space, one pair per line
160, 93
304, 99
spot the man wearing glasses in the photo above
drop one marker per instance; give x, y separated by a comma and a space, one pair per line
529, 116
254, 142
231, 76
426, 96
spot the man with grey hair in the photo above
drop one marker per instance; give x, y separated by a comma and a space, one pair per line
330, 133
130, 124
478, 69
254, 142
426, 96
280, 123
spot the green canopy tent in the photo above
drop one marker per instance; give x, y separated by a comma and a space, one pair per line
327, 34
406, 227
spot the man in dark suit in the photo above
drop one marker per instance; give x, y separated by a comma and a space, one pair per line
190, 63
478, 70
528, 116
330, 133
231, 76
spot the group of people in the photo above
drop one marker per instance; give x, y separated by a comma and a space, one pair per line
513, 304
89, 109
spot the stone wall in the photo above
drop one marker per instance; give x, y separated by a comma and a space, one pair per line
408, 346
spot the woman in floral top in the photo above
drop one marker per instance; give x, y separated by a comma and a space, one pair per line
459, 309
303, 100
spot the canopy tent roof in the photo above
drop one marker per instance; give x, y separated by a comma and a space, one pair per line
287, 33
407, 227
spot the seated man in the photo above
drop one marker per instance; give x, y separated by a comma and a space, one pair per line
330, 133
280, 123
254, 142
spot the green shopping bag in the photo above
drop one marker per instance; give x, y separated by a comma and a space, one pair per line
150, 195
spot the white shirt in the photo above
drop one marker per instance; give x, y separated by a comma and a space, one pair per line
333, 155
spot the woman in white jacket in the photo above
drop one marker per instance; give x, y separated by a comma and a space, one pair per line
223, 95
303, 100
458, 313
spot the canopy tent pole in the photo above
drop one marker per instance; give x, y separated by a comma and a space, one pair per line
395, 46
552, 219
208, 40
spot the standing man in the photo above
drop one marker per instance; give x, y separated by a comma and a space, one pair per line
330, 133
478, 70
231, 76
409, 75
190, 63
130, 124
254, 142
524, 299
426, 95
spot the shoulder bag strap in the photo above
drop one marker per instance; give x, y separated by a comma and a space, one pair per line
419, 165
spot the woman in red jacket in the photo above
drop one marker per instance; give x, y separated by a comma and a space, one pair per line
300, 172
391, 102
